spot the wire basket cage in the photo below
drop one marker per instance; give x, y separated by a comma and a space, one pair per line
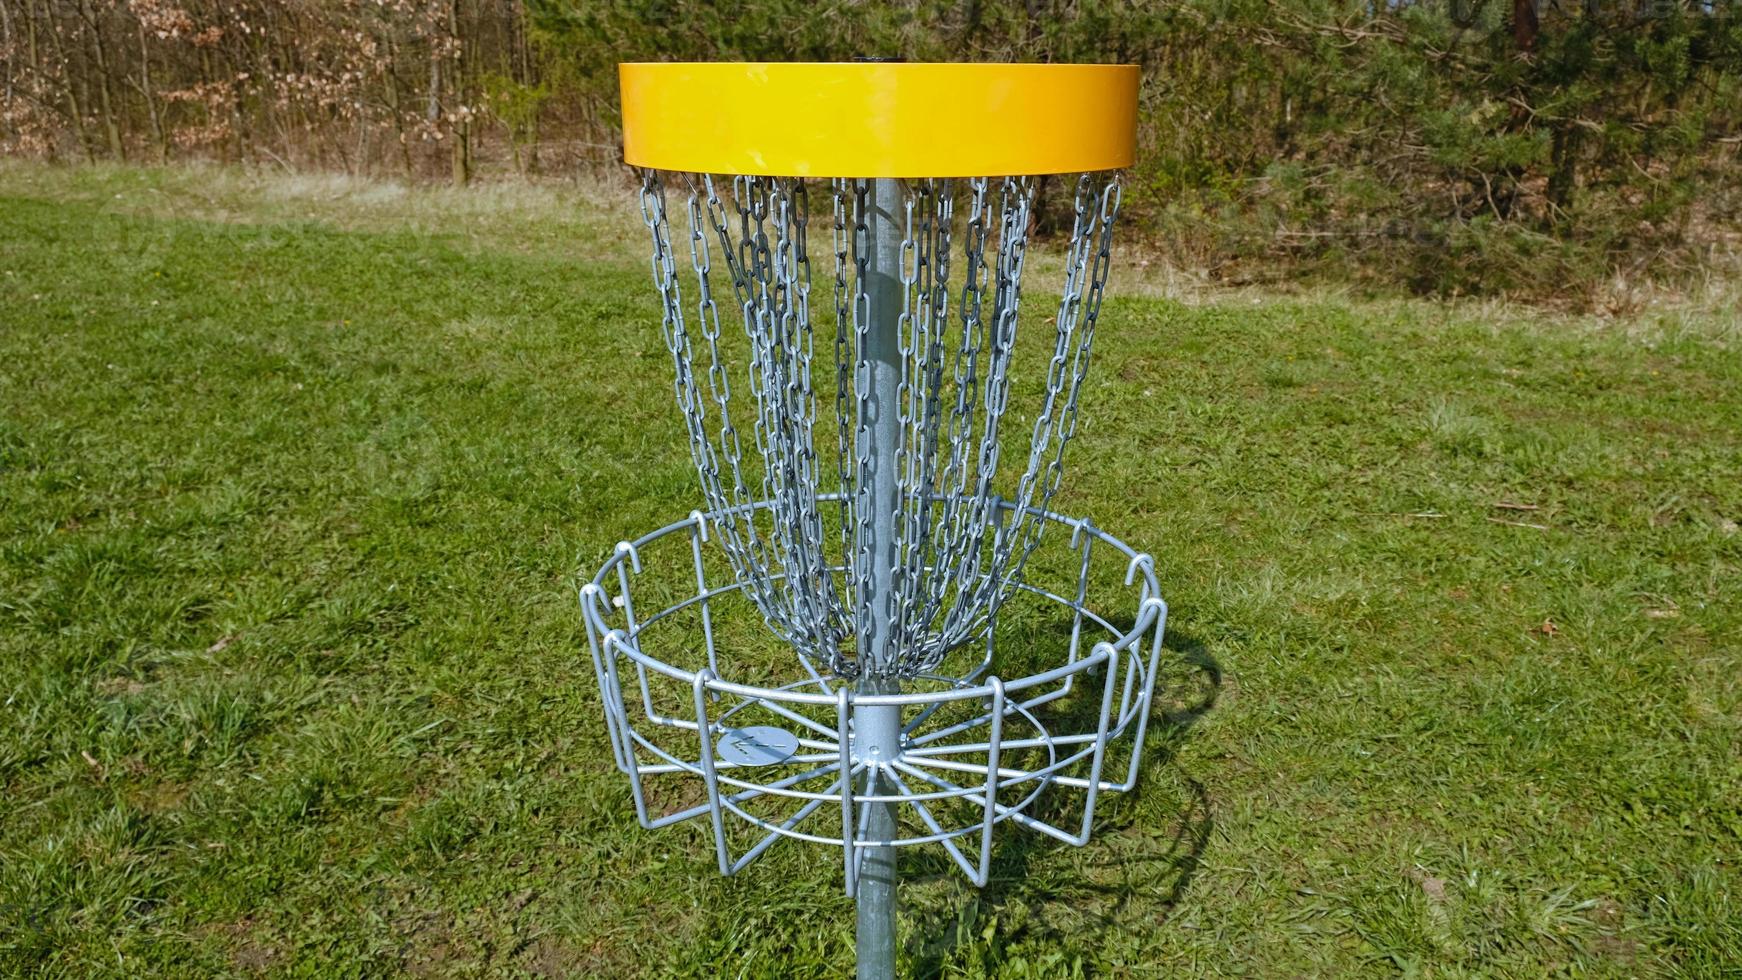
765, 748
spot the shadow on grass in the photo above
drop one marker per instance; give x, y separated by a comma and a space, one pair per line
1188, 684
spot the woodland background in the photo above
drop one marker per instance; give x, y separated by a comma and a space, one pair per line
1576, 152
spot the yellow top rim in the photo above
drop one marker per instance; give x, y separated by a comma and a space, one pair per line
878, 119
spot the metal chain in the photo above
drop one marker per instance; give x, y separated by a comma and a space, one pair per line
962, 547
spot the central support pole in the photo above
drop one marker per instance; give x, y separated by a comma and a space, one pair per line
877, 729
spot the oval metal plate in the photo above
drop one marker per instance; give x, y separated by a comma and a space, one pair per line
757, 745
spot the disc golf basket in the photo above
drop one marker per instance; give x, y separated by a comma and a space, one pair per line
873, 514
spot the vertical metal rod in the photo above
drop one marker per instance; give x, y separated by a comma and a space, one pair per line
877, 729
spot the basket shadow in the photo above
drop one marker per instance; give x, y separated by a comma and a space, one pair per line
1156, 864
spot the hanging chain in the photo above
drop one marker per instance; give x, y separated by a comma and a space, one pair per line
961, 547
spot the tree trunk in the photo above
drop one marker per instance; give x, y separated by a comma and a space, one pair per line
36, 68
105, 101
462, 153
432, 112
1563, 173
1524, 25
396, 106
462, 148
75, 108
157, 133
6, 45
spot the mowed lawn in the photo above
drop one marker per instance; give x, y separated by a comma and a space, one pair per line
298, 476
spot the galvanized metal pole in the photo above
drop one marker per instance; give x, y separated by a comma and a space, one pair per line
877, 730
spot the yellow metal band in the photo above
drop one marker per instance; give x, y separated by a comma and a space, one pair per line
878, 119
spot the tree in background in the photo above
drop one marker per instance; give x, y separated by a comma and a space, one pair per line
357, 85
1450, 146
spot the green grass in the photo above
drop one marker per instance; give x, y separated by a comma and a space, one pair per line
297, 477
